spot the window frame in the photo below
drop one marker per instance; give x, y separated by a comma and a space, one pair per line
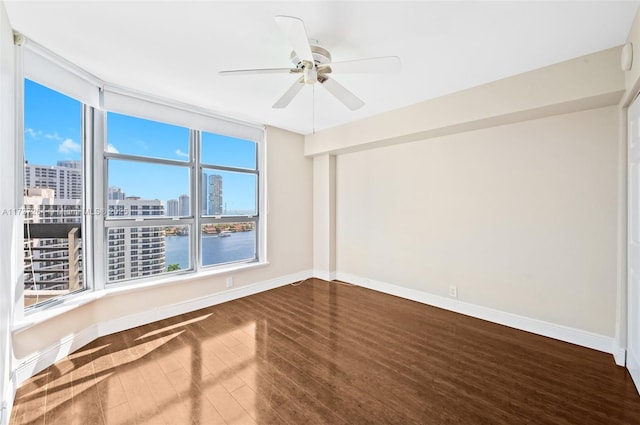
111, 222
222, 219
195, 221
97, 98
86, 141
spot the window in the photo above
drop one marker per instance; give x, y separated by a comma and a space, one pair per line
152, 196
148, 201
229, 200
53, 190
121, 186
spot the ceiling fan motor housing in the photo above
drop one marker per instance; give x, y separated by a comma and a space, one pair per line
321, 56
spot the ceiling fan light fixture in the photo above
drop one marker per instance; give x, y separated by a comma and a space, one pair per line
310, 75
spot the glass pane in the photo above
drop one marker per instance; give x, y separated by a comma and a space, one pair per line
53, 257
227, 193
227, 151
137, 136
228, 242
147, 189
135, 252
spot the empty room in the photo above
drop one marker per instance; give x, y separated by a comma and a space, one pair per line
319, 212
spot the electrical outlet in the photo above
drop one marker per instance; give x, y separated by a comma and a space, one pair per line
229, 282
453, 291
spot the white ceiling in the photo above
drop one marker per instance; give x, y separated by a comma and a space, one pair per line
175, 49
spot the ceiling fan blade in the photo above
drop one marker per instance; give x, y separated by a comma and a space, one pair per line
293, 29
288, 96
260, 71
380, 65
349, 99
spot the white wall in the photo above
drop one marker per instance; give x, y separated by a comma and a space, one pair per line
521, 217
9, 223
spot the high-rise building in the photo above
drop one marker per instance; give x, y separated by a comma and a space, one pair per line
65, 178
173, 208
132, 251
47, 258
215, 195
52, 195
70, 163
41, 206
183, 206
115, 193
204, 189
135, 251
134, 205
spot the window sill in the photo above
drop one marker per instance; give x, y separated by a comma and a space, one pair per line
172, 279
55, 309
76, 301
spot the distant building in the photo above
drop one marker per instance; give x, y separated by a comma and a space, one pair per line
115, 193
204, 189
135, 251
215, 195
70, 163
41, 206
65, 178
183, 205
173, 208
132, 251
43, 256
134, 205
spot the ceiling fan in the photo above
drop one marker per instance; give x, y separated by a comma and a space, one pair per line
313, 65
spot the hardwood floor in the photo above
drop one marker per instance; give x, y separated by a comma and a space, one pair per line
328, 353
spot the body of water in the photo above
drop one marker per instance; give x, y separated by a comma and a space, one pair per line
215, 250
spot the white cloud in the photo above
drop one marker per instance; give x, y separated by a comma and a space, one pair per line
39, 135
32, 133
112, 149
182, 154
68, 146
54, 136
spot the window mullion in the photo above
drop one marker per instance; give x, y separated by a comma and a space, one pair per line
196, 194
87, 200
99, 173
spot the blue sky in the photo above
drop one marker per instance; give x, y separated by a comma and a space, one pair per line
52, 125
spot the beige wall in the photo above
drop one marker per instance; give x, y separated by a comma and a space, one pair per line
324, 217
289, 246
632, 77
512, 191
586, 82
520, 217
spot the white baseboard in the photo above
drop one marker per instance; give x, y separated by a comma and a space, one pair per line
540, 327
123, 323
633, 365
71, 343
53, 353
6, 401
619, 355
324, 275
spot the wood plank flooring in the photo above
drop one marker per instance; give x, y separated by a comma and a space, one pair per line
328, 353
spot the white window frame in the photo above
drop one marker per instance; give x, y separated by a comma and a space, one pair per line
39, 65
44, 67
